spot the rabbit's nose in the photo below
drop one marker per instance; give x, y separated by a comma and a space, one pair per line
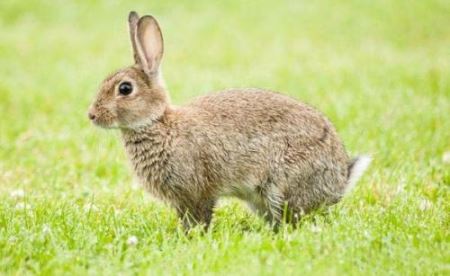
91, 116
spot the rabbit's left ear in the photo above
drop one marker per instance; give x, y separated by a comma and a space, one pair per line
133, 19
150, 44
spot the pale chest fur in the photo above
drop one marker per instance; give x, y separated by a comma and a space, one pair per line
148, 151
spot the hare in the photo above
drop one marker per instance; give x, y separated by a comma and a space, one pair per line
280, 156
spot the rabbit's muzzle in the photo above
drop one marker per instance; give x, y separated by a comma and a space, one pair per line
101, 117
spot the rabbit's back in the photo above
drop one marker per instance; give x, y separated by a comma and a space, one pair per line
260, 115
259, 112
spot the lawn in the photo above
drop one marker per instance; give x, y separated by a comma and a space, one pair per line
380, 70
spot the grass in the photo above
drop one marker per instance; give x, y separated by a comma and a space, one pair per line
380, 70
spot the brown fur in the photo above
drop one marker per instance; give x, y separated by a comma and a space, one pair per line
281, 156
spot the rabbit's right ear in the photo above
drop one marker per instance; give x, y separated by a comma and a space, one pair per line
133, 19
150, 46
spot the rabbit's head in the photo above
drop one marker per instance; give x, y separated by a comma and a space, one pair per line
134, 96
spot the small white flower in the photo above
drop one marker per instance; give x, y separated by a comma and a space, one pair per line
400, 188
17, 193
90, 207
12, 239
425, 205
23, 206
446, 157
316, 229
132, 241
46, 229
367, 234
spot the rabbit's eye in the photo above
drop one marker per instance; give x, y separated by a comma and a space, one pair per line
125, 88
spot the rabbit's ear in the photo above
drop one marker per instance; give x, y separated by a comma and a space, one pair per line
149, 44
133, 19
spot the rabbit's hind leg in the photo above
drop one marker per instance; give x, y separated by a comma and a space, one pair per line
269, 206
259, 208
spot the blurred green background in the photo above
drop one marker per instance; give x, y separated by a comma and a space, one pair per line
380, 70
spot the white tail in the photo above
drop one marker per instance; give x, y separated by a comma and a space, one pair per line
356, 169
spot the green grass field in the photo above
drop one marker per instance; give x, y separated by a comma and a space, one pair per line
380, 70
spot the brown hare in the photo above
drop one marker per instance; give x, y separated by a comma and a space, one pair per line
281, 156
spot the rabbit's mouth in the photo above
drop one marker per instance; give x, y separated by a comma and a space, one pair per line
102, 118
102, 122
105, 124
